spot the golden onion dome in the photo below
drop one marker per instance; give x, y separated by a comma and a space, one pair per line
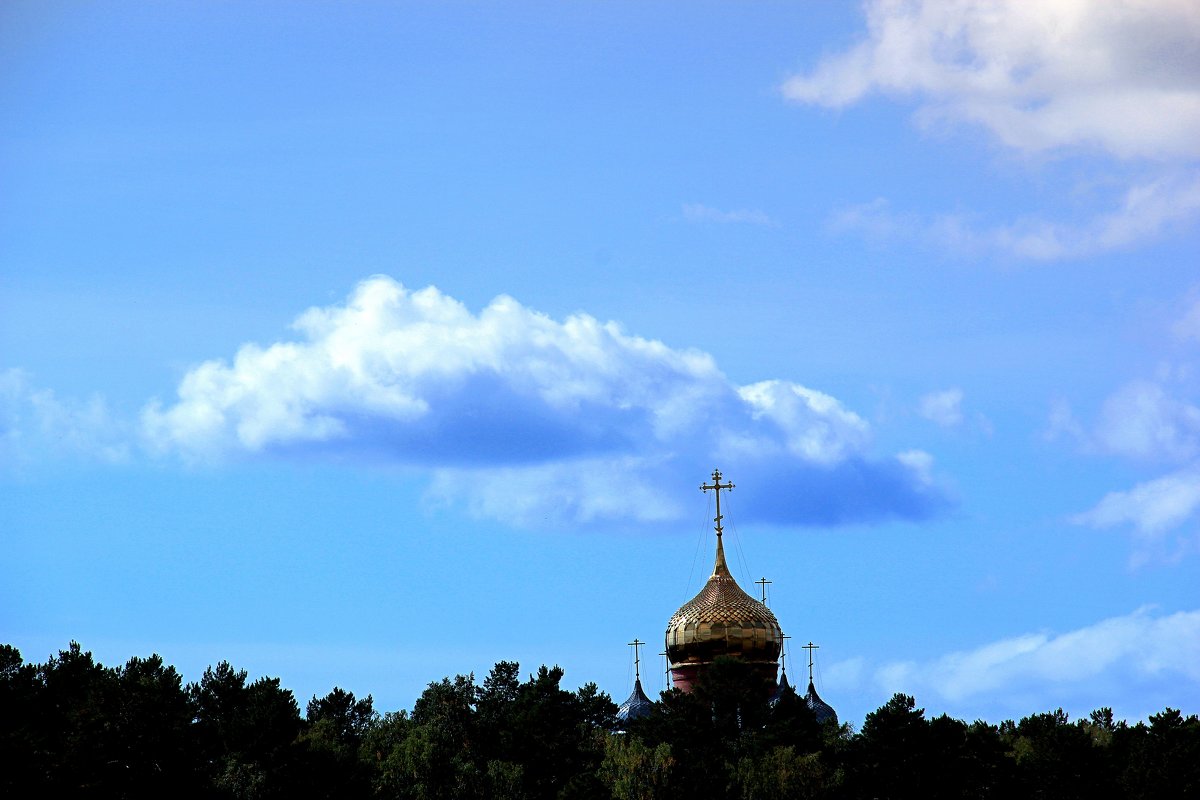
721, 620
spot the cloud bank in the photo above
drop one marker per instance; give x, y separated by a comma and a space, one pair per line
535, 421
1091, 666
1119, 79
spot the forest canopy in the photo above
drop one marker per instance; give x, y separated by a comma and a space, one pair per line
74, 727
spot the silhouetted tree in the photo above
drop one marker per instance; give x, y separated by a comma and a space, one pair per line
333, 762
1164, 757
73, 727
153, 735
891, 757
247, 732
1055, 759
22, 739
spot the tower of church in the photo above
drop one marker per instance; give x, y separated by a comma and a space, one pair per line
722, 620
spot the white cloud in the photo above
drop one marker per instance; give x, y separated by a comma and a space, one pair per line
697, 212
942, 408
1145, 422
1153, 508
529, 419
1144, 211
1187, 327
814, 425
920, 462
1088, 667
1062, 423
1142, 420
36, 425
1121, 79
1121, 76
580, 490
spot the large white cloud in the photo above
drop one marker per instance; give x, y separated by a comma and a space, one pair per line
527, 418
1122, 76
1156, 654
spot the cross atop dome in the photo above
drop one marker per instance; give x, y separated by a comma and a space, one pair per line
637, 661
720, 567
717, 486
821, 710
764, 583
810, 647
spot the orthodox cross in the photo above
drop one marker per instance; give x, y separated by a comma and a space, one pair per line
718, 486
666, 671
636, 644
810, 647
763, 582
783, 651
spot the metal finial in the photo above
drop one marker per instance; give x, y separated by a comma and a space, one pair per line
763, 582
810, 647
720, 567
637, 661
718, 486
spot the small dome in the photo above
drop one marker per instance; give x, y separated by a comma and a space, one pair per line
783, 688
821, 710
636, 706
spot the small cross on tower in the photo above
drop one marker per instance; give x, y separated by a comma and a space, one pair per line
636, 644
764, 583
810, 647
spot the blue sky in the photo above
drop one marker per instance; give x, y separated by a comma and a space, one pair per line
367, 344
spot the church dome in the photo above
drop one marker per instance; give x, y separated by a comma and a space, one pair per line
722, 620
821, 710
635, 707
782, 689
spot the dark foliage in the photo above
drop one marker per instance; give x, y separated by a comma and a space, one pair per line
73, 727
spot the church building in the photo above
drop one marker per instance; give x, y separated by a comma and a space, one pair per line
722, 620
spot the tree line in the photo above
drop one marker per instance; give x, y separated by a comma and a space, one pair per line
74, 727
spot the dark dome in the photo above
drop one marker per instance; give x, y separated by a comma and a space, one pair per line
636, 706
783, 688
821, 710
